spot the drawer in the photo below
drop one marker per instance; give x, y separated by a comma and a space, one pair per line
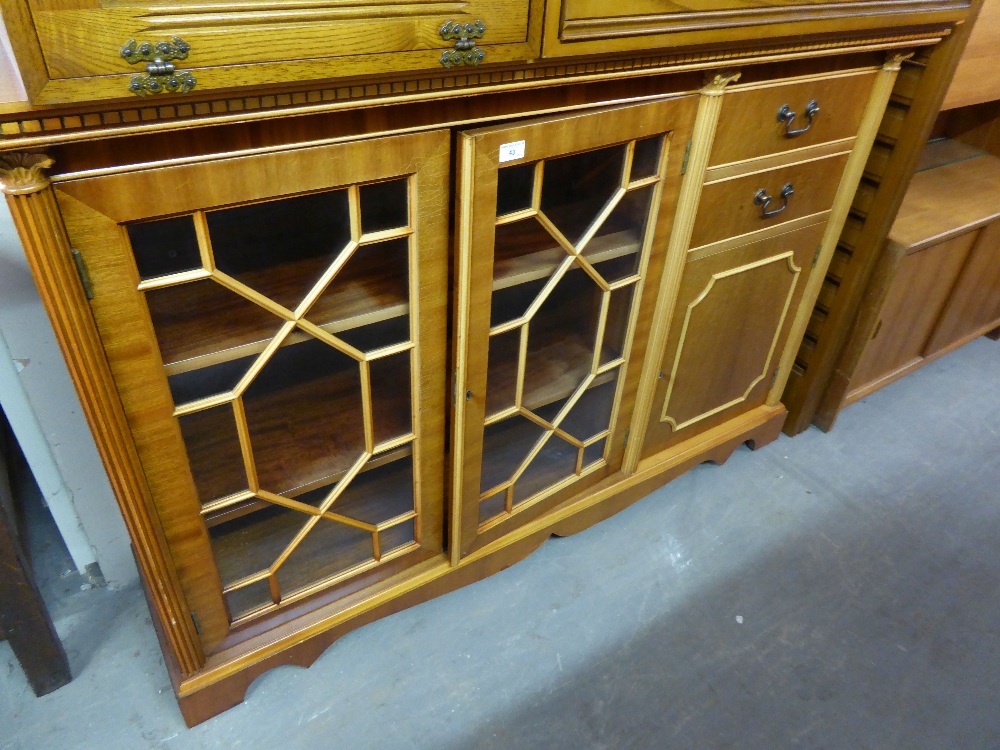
727, 207
579, 27
261, 43
749, 124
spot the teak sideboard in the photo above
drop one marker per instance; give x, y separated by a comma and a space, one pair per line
363, 303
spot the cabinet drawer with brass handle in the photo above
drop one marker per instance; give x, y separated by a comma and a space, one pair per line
734, 206
761, 120
113, 50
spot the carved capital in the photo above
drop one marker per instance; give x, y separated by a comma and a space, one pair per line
894, 61
715, 83
22, 172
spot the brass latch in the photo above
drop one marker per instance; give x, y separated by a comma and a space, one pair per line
466, 52
161, 74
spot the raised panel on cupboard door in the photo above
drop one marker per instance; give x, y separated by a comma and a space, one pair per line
974, 303
268, 41
275, 328
727, 334
561, 224
750, 125
733, 206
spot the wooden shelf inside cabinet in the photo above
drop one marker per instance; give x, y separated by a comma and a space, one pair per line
958, 190
226, 511
314, 425
566, 363
386, 502
186, 343
539, 263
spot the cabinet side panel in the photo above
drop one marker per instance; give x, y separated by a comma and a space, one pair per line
40, 228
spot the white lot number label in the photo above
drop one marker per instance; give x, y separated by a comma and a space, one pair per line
512, 151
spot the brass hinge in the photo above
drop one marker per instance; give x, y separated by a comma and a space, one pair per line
819, 249
774, 378
81, 269
197, 625
687, 155
627, 430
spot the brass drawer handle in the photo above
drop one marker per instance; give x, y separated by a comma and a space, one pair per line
161, 74
466, 52
762, 199
786, 115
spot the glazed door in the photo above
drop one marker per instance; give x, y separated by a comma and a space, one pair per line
562, 225
276, 326
728, 331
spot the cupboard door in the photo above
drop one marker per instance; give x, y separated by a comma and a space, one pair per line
974, 303
267, 41
559, 225
727, 333
275, 327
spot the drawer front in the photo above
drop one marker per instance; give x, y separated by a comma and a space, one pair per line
575, 27
270, 42
728, 207
749, 123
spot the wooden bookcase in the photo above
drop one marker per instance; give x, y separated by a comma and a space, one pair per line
347, 343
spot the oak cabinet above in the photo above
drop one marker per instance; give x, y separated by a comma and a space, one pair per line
98, 50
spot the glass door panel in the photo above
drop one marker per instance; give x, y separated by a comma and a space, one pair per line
308, 390
286, 354
571, 227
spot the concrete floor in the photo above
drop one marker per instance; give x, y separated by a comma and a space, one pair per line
837, 590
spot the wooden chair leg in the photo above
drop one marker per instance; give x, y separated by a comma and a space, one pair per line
24, 619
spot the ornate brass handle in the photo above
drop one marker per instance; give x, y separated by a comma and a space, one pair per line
762, 199
161, 74
786, 115
466, 52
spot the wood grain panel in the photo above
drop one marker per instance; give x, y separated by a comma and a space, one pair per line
977, 78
